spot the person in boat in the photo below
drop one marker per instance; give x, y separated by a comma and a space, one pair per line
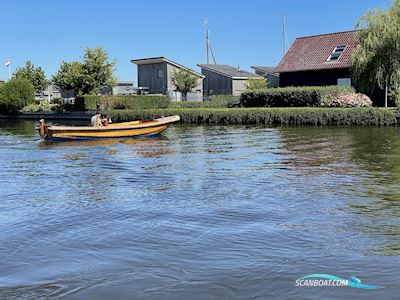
95, 121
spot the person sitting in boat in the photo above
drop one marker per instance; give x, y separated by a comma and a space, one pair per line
107, 120
95, 121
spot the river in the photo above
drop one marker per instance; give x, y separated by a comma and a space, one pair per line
201, 212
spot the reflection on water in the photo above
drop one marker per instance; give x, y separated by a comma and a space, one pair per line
206, 212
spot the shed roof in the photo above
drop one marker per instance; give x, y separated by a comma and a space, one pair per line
313, 52
162, 59
225, 70
264, 69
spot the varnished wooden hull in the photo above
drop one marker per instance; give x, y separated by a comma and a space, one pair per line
117, 130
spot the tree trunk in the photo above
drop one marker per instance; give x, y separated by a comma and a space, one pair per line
386, 94
184, 97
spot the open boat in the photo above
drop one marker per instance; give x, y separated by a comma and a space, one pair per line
115, 130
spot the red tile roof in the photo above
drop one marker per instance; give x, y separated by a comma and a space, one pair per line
312, 52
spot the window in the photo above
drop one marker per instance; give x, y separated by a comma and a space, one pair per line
344, 82
159, 73
337, 52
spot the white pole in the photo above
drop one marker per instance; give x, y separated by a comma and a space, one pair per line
9, 71
207, 45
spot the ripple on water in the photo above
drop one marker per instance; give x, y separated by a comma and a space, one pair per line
215, 212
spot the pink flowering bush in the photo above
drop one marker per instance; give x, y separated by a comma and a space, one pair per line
347, 100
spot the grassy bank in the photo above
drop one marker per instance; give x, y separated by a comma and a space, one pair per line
293, 116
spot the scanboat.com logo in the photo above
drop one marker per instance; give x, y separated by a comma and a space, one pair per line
317, 280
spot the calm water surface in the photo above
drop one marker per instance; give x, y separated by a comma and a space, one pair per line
203, 212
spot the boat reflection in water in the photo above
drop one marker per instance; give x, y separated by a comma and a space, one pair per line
143, 147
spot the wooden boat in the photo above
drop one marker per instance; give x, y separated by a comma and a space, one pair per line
115, 130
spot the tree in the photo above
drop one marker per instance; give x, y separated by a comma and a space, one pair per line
376, 60
15, 94
89, 76
36, 76
70, 77
256, 83
97, 71
184, 82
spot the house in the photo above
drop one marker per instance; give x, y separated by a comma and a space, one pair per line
2, 80
122, 88
318, 60
53, 92
269, 74
224, 79
156, 74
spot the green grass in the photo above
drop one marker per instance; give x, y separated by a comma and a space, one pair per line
293, 116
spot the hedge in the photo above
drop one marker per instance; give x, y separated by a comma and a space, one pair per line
202, 104
151, 102
290, 96
292, 116
106, 102
215, 101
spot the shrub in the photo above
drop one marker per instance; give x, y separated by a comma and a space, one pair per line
15, 94
79, 104
290, 96
292, 116
347, 100
41, 106
256, 83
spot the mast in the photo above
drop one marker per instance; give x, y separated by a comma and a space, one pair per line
284, 34
207, 41
208, 44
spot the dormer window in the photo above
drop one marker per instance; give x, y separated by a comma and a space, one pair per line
337, 53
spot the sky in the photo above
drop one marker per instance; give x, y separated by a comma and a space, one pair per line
242, 33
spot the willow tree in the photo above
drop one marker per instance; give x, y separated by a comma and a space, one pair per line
376, 60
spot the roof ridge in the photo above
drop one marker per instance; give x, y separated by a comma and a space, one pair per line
325, 34
167, 60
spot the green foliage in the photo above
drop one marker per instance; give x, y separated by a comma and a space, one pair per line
376, 59
97, 71
256, 83
15, 94
202, 104
70, 77
41, 106
290, 96
91, 102
217, 101
292, 116
89, 76
225, 98
79, 104
35, 75
184, 81
107, 102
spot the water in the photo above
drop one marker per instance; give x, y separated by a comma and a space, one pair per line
203, 212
